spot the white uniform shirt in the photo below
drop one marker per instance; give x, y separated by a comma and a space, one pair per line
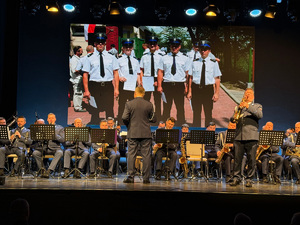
92, 66
183, 64
74, 78
146, 63
212, 70
124, 68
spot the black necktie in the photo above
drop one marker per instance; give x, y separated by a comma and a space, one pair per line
202, 83
152, 64
195, 55
129, 65
102, 73
173, 69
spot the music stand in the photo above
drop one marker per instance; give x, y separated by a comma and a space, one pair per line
203, 137
4, 132
271, 138
167, 136
76, 134
42, 133
104, 136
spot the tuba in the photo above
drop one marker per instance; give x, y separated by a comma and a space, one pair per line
238, 112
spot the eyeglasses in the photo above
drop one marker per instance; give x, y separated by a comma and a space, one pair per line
204, 49
100, 43
175, 45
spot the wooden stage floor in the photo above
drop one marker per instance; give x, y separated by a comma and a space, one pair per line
111, 202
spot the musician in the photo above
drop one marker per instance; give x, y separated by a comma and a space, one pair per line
161, 124
184, 130
19, 140
111, 153
111, 123
266, 156
294, 159
82, 148
53, 147
228, 156
286, 159
246, 136
162, 152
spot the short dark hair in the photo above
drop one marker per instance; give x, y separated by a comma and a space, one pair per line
2, 118
76, 48
110, 118
172, 119
22, 117
112, 45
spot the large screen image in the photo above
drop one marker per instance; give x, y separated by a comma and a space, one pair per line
230, 61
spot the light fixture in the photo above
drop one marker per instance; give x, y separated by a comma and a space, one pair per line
162, 9
255, 12
293, 10
69, 5
211, 10
52, 6
255, 8
130, 10
114, 8
97, 9
130, 7
191, 12
31, 6
232, 9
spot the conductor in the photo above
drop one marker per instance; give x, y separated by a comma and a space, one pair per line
137, 116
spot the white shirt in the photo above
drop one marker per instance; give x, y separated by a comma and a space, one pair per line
183, 64
124, 68
74, 78
212, 70
146, 63
92, 66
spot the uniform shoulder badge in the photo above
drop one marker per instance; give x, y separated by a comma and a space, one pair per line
213, 60
196, 59
90, 54
110, 53
161, 54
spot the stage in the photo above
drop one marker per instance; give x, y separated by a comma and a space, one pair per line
110, 201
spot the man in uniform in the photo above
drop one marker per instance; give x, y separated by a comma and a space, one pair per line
101, 79
172, 78
149, 68
194, 54
294, 158
204, 84
82, 148
76, 79
246, 136
129, 73
19, 140
53, 147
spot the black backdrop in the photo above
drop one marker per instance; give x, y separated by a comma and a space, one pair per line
34, 64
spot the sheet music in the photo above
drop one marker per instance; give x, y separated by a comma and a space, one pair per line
130, 83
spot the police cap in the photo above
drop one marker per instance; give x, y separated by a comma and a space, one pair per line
127, 42
100, 37
205, 44
175, 41
151, 39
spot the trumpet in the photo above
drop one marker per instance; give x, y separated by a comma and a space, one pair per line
261, 149
238, 111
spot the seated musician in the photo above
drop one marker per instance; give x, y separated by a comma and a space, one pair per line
184, 130
3, 144
264, 155
19, 140
162, 152
286, 158
110, 151
71, 150
52, 148
227, 156
294, 151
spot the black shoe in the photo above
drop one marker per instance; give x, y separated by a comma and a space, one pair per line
248, 183
265, 179
92, 175
109, 174
158, 175
227, 179
235, 182
297, 181
79, 110
146, 181
47, 174
1, 172
76, 174
128, 179
66, 174
277, 179
13, 173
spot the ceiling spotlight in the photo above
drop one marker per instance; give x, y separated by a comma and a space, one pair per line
98, 10
255, 8
191, 12
130, 10
31, 6
293, 10
52, 6
114, 8
162, 9
211, 10
255, 12
232, 9
69, 7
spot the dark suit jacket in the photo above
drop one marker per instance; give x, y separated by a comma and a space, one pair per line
137, 116
247, 126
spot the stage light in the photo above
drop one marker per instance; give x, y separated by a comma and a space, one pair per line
162, 9
255, 8
31, 6
69, 7
114, 8
211, 10
130, 10
255, 12
191, 12
232, 9
52, 6
293, 10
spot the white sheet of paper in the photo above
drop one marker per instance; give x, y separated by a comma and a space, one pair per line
130, 83
93, 102
163, 97
191, 104
148, 83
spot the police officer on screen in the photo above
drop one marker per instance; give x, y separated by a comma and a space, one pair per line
195, 53
172, 78
149, 67
129, 72
101, 79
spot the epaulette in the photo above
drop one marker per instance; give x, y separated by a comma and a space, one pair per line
110, 53
213, 60
196, 59
145, 53
134, 57
90, 54
161, 54
184, 54
120, 56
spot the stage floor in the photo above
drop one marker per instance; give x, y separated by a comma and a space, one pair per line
185, 185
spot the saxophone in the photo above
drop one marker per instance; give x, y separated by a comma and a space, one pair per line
293, 151
159, 145
224, 150
261, 149
238, 112
183, 159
